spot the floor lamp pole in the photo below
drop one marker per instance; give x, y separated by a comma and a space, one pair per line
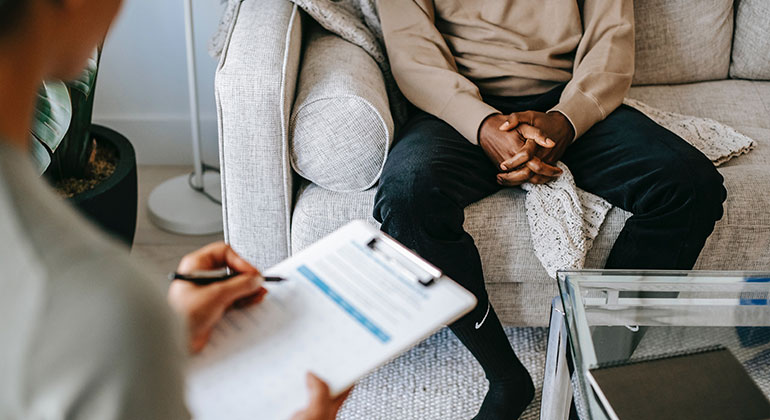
189, 204
192, 83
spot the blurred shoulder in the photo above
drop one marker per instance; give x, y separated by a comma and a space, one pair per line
78, 312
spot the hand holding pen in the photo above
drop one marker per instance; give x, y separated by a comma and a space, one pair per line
210, 281
203, 299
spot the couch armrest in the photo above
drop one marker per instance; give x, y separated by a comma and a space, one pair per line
255, 84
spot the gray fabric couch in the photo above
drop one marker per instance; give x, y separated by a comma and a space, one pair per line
293, 99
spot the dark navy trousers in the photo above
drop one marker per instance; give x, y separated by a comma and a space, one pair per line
673, 191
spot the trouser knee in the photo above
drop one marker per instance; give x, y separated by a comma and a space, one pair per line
418, 203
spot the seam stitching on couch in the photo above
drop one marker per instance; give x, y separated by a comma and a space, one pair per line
220, 127
285, 129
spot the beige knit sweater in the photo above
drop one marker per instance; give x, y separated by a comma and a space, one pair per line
445, 53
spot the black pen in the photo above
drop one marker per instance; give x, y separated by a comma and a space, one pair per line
203, 278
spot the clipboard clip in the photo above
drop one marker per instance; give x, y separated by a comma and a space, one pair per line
424, 272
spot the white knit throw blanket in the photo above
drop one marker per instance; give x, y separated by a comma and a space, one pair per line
563, 219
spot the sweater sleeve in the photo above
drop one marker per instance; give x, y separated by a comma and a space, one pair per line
604, 64
107, 347
425, 69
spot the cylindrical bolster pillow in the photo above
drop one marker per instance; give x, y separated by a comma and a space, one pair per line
341, 126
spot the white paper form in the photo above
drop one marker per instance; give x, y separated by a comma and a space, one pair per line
344, 310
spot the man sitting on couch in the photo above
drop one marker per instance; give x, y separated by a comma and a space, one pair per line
505, 89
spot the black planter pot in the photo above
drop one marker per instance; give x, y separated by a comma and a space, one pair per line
112, 205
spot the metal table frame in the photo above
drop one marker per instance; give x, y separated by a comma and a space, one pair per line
557, 387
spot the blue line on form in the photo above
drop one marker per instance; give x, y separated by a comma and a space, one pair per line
342, 303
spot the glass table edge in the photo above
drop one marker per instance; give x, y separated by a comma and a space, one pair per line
653, 274
584, 355
578, 360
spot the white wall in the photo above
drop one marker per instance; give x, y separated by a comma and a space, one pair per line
142, 87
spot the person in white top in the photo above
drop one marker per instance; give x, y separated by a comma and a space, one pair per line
85, 333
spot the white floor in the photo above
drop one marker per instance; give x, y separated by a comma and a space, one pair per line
152, 245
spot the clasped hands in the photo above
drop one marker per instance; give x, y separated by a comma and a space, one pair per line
525, 146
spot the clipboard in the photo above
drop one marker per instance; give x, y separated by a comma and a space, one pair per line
352, 301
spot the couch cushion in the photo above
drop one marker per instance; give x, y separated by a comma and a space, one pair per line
682, 41
751, 45
499, 226
743, 105
341, 124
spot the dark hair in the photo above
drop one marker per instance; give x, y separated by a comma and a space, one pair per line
10, 10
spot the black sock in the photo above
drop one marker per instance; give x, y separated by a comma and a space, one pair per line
510, 386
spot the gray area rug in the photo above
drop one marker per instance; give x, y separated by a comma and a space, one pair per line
439, 379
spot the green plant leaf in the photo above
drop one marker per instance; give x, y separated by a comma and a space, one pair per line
53, 114
41, 158
84, 83
71, 158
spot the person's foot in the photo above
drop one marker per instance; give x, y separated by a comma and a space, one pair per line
506, 400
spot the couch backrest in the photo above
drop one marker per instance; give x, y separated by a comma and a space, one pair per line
751, 43
684, 41
681, 41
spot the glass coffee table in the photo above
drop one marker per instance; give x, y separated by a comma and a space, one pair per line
611, 315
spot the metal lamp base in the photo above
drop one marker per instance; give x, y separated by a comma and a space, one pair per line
175, 207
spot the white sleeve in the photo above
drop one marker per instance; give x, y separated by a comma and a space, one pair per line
110, 349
